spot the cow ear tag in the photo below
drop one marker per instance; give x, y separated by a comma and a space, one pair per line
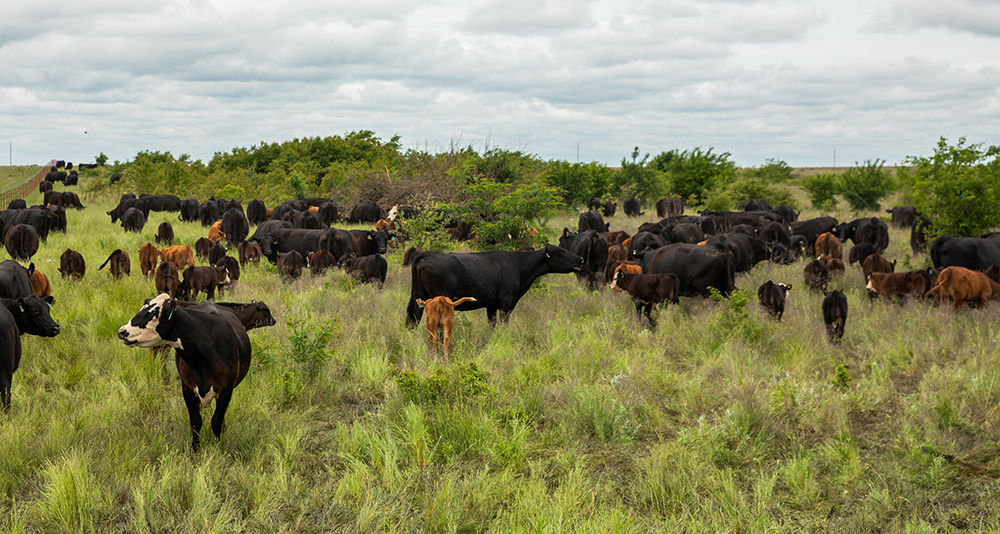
20, 305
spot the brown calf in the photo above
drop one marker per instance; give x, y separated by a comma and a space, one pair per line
167, 278
182, 255
647, 290
148, 257
875, 263
249, 252
319, 261
71, 264
215, 233
121, 265
440, 313
828, 243
900, 285
40, 284
197, 279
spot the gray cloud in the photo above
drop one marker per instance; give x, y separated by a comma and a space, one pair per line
975, 16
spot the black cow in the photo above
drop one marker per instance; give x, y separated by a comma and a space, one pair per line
264, 229
918, 235
648, 290
496, 279
364, 242
812, 228
642, 241
591, 220
162, 202
25, 315
232, 266
248, 252
754, 204
189, 210
669, 207
290, 265
631, 207
858, 253
595, 203
776, 232
256, 212
835, 314
235, 225
208, 213
772, 297
165, 234
133, 220
902, 216
974, 253
215, 253
121, 265
253, 314
21, 242
302, 241
371, 268
608, 209
366, 213
868, 230
40, 218
816, 275
125, 203
788, 215
15, 280
304, 219
211, 347
592, 246
698, 267
58, 222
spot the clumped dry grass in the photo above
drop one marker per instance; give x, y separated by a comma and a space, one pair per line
570, 418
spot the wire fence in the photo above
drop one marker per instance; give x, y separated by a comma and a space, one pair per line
22, 190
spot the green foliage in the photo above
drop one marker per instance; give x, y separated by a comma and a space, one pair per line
310, 345
101, 159
733, 194
637, 178
772, 171
446, 385
958, 187
578, 181
496, 165
842, 379
822, 189
864, 186
693, 173
507, 213
161, 172
424, 231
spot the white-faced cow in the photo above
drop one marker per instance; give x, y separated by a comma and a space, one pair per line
211, 347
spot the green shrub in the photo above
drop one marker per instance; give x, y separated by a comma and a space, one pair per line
692, 173
637, 178
821, 190
310, 345
453, 384
864, 186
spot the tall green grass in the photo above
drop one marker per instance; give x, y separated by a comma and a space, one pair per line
573, 417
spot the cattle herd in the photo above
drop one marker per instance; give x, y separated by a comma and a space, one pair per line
678, 255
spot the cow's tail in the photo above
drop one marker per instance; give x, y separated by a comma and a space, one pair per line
106, 261
460, 301
941, 282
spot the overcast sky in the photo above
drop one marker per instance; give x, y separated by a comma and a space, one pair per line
799, 81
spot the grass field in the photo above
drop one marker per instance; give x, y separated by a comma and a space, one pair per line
570, 418
11, 176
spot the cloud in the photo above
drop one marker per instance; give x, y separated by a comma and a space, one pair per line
980, 17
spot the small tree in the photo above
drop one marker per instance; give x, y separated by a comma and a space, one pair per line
692, 173
638, 179
864, 186
579, 181
772, 171
958, 187
503, 213
821, 189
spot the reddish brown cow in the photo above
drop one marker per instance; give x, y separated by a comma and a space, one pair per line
148, 257
167, 278
182, 255
120, 264
960, 285
875, 263
290, 265
215, 233
835, 266
911, 284
440, 313
249, 252
40, 284
828, 244
647, 290
71, 264
319, 261
410, 254
207, 279
616, 252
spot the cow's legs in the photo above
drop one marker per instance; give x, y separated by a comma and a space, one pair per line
194, 415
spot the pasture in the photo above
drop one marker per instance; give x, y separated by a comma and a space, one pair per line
570, 418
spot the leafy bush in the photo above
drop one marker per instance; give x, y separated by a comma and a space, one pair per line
578, 181
821, 190
424, 231
309, 345
958, 187
638, 179
732, 195
771, 171
693, 173
503, 215
864, 186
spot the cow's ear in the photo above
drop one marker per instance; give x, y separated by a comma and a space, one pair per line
50, 300
31, 268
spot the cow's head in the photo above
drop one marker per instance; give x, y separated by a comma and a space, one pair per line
381, 239
33, 316
261, 315
142, 330
560, 260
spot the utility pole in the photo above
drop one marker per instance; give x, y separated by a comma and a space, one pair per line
835, 158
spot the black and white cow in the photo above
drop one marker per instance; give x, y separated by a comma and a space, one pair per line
212, 352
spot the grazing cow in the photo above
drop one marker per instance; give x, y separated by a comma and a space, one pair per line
776, 232
834, 266
960, 285
212, 352
120, 264
215, 233
698, 267
202, 246
162, 202
256, 212
441, 316
216, 253
410, 254
167, 278
21, 241
249, 252
232, 266
39, 283
595, 203
182, 255
235, 226
811, 229
609, 209
911, 284
366, 213
754, 204
772, 297
253, 314
828, 244
875, 263
25, 315
612, 268
682, 233
189, 210
209, 213
133, 220
669, 207
647, 290
631, 207
319, 261
207, 279
290, 265
591, 220
902, 216
125, 204
592, 246
371, 268
165, 234
71, 264
816, 275
835, 314
617, 252
496, 279
304, 241
858, 253
869, 230
918, 235
973, 253
44, 186
148, 256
